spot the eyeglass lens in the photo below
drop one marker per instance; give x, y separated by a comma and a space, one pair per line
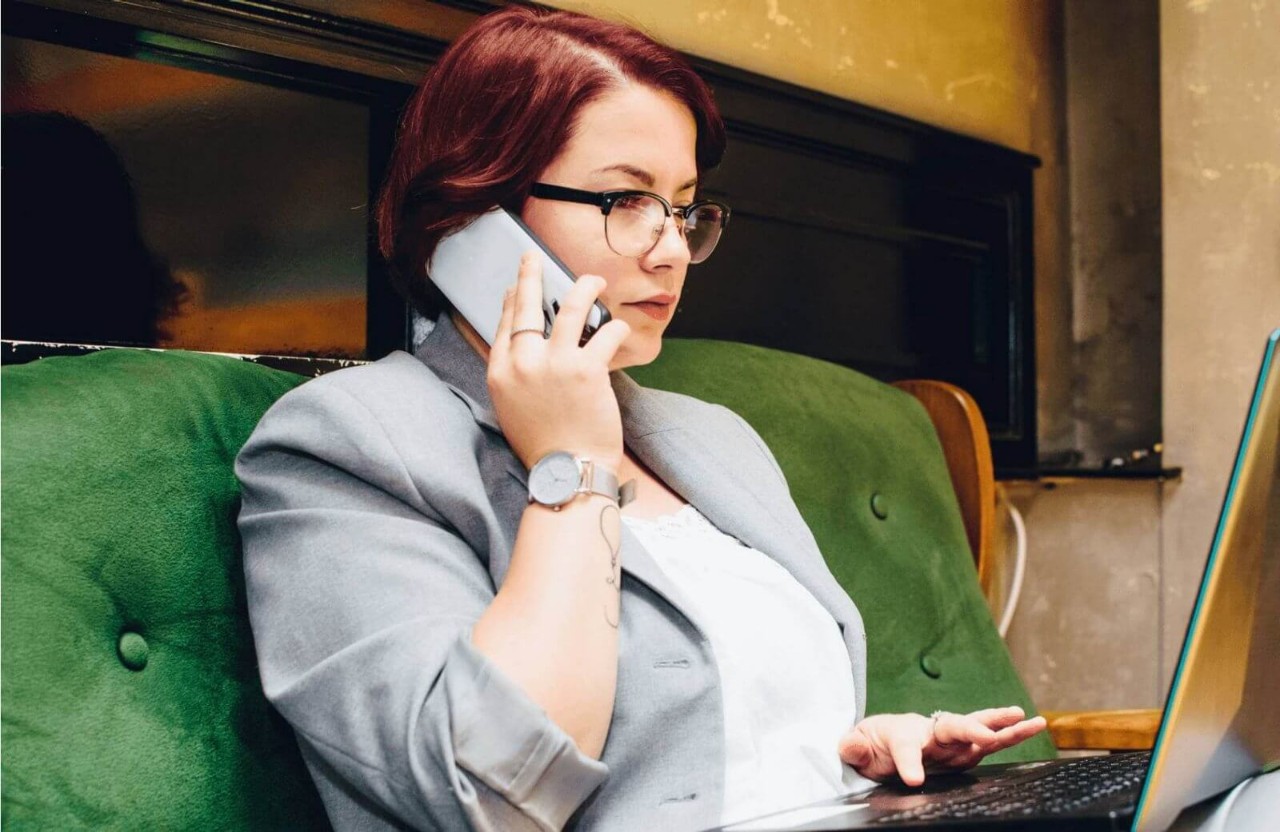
635, 222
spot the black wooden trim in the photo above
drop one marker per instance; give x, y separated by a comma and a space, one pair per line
1022, 345
746, 207
479, 7
292, 19
122, 38
279, 30
389, 318
24, 352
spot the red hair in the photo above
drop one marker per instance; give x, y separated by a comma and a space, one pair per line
497, 109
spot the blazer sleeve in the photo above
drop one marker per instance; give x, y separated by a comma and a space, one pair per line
362, 601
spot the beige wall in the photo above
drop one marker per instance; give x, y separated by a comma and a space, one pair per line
1220, 114
974, 66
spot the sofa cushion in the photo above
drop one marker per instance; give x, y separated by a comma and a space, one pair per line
867, 472
130, 691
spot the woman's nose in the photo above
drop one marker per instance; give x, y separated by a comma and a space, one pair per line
672, 247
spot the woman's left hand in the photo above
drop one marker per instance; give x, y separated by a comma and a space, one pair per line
885, 745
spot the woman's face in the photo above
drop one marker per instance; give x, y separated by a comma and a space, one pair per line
634, 137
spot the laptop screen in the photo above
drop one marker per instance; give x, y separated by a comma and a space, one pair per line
1220, 725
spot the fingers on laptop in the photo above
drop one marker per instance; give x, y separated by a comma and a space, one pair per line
1008, 725
960, 741
908, 759
997, 718
1024, 730
886, 744
962, 729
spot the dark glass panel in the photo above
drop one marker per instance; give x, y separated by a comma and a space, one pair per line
253, 198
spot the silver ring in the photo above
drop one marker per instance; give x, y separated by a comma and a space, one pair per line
934, 726
528, 329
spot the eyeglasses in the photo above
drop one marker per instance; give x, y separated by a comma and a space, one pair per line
634, 221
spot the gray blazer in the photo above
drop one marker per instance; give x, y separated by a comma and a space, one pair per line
380, 508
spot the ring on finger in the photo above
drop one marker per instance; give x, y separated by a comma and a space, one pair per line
933, 726
528, 329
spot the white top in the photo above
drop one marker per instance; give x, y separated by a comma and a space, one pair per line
784, 670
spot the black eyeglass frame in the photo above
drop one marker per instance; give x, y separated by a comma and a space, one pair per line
604, 200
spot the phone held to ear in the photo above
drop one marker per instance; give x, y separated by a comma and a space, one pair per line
474, 266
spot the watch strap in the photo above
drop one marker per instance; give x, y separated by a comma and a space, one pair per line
597, 479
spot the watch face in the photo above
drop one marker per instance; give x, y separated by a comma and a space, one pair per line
554, 478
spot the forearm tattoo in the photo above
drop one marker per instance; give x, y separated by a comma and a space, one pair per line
615, 546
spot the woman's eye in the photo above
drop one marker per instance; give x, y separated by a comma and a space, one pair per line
631, 203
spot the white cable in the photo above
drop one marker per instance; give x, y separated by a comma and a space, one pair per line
1019, 568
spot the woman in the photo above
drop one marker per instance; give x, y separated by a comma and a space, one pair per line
453, 646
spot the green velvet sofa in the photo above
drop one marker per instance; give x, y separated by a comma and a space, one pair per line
130, 694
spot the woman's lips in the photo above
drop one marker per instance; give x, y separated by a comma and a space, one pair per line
657, 311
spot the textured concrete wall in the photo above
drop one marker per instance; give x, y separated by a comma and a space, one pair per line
1220, 115
1085, 630
1113, 164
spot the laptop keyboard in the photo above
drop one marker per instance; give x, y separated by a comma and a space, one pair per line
1069, 787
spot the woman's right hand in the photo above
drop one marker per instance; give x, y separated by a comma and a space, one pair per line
550, 394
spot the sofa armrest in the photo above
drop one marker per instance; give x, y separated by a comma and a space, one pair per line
1104, 730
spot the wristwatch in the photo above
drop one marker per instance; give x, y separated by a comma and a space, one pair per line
560, 476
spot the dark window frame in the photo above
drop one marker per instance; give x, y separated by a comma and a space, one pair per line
357, 56
387, 316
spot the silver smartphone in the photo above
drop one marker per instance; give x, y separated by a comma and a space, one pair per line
474, 265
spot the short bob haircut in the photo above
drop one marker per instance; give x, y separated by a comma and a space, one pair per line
494, 113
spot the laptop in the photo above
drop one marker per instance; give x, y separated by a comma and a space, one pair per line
1219, 725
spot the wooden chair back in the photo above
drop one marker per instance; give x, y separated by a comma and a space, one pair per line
967, 448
